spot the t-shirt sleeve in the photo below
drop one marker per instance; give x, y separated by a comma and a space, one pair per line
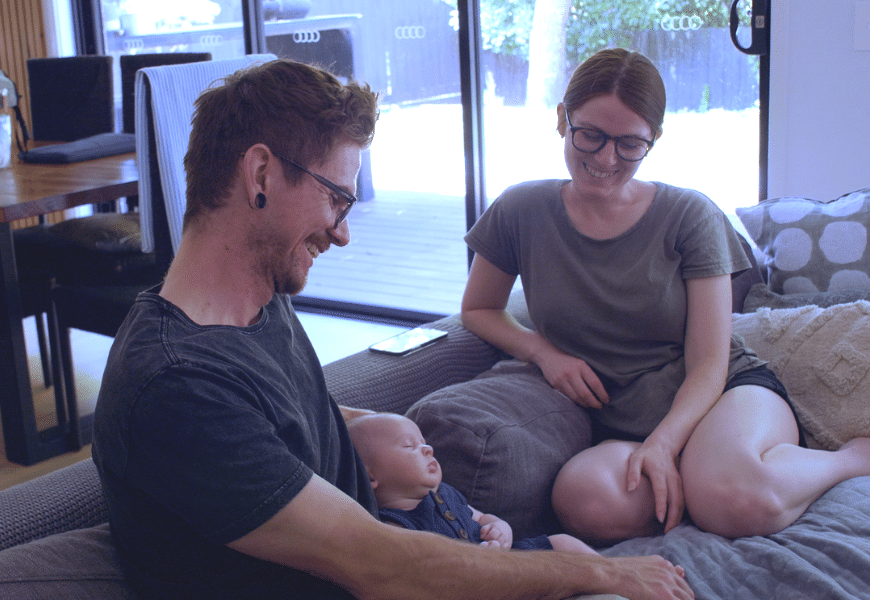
201, 453
710, 246
495, 235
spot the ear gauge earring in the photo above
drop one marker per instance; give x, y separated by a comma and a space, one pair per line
260, 200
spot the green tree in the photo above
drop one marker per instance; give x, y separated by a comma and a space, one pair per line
507, 27
547, 77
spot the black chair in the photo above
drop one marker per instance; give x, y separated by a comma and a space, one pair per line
100, 306
70, 98
73, 98
130, 63
34, 283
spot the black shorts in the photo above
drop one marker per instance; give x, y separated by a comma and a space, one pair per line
761, 376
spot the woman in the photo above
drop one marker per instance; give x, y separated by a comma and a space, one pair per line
628, 284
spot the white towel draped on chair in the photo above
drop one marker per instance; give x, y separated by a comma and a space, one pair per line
173, 91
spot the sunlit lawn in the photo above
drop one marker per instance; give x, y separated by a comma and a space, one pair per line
421, 149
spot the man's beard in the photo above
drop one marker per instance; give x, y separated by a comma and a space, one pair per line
275, 262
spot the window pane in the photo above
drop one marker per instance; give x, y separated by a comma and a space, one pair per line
711, 128
407, 250
181, 26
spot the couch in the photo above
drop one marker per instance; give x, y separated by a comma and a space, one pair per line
55, 542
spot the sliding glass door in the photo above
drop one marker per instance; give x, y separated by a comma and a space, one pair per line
711, 130
407, 259
406, 253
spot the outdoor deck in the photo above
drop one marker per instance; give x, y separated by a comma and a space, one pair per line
406, 252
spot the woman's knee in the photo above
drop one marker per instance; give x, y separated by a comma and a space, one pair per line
732, 495
733, 507
592, 502
728, 489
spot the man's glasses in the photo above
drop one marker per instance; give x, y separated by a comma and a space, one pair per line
344, 194
590, 141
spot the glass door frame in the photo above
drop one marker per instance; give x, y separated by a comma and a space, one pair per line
87, 24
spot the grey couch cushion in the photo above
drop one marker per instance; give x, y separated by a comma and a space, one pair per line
501, 439
70, 498
67, 566
392, 383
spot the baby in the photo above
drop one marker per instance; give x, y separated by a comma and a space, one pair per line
406, 480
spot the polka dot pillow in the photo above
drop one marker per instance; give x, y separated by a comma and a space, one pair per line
812, 246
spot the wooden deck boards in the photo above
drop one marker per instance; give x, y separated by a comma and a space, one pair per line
406, 252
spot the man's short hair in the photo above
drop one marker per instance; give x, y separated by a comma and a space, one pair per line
298, 111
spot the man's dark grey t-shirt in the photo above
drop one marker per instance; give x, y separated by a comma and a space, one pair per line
202, 434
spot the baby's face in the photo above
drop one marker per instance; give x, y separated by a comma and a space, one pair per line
402, 463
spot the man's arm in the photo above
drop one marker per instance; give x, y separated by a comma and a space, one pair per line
326, 533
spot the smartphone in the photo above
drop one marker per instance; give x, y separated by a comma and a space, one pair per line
408, 341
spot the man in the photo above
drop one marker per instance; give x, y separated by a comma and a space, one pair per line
227, 467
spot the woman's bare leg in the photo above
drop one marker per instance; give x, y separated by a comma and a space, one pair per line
562, 542
744, 474
592, 501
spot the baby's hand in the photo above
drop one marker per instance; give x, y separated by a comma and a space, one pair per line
492, 544
497, 531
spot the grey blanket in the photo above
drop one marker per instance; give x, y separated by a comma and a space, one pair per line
824, 555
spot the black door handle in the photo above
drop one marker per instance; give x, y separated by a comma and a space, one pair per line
759, 26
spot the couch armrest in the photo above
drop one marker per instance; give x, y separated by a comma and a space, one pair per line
393, 383
67, 499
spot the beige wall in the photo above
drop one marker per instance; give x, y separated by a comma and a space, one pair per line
819, 101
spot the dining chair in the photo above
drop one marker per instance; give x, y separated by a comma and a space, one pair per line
164, 106
70, 97
34, 284
131, 63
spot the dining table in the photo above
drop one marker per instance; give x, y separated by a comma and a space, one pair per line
33, 190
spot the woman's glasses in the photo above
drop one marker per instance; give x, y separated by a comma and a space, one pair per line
590, 141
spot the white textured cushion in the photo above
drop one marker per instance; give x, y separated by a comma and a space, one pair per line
822, 355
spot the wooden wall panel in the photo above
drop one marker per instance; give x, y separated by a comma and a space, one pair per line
22, 36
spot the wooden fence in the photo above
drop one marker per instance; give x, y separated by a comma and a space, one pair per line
409, 52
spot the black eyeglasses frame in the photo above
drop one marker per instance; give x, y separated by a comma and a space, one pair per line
345, 195
606, 138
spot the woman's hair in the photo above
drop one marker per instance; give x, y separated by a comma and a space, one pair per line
629, 75
298, 111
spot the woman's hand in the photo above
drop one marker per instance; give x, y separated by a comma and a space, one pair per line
483, 313
574, 378
659, 463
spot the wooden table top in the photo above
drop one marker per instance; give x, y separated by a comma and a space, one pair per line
30, 190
